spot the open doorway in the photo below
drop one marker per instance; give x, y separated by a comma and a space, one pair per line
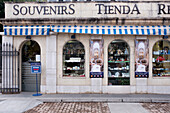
30, 50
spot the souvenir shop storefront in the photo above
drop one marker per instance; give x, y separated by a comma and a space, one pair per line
110, 47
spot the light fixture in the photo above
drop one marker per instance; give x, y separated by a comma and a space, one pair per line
165, 37
28, 37
73, 36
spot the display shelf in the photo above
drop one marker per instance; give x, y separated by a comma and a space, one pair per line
116, 55
74, 70
157, 75
73, 54
162, 54
74, 62
117, 77
120, 70
163, 69
163, 62
118, 61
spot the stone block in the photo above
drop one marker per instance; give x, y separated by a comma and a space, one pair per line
50, 89
96, 81
141, 81
141, 89
84, 89
96, 89
132, 89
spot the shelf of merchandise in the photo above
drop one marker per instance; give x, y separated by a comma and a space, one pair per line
118, 61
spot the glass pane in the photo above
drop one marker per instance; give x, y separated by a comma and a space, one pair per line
73, 59
161, 59
29, 51
118, 63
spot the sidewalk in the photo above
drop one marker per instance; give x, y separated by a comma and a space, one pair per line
126, 98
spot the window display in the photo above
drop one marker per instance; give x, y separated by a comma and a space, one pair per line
118, 63
161, 59
73, 59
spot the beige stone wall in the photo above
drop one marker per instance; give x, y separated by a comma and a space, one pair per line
84, 39
67, 81
18, 42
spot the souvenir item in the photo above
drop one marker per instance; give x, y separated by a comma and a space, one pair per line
126, 51
117, 74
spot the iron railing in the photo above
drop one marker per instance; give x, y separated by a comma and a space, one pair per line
10, 69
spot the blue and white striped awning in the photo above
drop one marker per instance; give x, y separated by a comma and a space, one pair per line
27, 30
112, 30
87, 29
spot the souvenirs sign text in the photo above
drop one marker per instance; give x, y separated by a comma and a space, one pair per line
88, 10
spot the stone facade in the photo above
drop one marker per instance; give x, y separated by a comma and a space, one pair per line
52, 80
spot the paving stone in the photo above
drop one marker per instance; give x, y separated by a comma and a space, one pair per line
157, 107
71, 107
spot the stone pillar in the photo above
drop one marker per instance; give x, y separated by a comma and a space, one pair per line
141, 83
51, 64
5, 78
96, 85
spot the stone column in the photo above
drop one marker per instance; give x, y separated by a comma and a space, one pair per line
96, 83
141, 83
51, 64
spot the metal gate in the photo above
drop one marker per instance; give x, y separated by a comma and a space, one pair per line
10, 69
29, 79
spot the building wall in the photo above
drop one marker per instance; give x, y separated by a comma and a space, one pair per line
137, 85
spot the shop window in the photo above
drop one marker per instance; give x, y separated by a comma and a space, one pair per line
73, 59
118, 63
161, 59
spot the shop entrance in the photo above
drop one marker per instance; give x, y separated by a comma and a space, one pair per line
30, 53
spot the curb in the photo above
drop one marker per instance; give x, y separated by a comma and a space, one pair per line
116, 100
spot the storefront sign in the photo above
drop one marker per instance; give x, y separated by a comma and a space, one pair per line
35, 67
88, 10
141, 58
96, 58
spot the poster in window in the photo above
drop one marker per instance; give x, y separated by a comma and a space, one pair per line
96, 58
141, 58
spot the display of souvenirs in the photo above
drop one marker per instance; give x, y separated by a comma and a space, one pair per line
118, 63
73, 59
161, 59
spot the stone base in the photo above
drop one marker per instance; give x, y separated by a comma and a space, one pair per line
109, 89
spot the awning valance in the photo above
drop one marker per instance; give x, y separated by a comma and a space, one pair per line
113, 30
27, 30
87, 29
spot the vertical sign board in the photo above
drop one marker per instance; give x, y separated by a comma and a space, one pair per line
141, 58
96, 58
36, 67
